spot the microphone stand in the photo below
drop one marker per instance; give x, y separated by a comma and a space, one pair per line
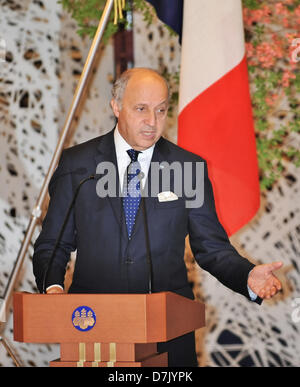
147, 239
149, 259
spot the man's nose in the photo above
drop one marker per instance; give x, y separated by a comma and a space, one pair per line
151, 118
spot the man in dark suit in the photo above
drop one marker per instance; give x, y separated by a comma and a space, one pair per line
109, 232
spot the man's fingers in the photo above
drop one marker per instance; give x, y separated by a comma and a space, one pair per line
275, 283
264, 281
273, 290
268, 292
278, 284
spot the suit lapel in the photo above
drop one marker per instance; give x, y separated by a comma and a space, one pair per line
107, 153
160, 154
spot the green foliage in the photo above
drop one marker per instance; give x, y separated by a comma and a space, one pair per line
145, 9
252, 4
87, 14
273, 145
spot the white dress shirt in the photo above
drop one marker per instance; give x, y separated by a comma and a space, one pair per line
123, 159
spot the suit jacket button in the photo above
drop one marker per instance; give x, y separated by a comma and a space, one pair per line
129, 260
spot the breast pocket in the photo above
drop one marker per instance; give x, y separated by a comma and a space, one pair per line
178, 203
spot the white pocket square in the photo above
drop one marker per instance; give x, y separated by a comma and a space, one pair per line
167, 196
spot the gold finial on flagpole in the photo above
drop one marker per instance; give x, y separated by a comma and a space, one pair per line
119, 5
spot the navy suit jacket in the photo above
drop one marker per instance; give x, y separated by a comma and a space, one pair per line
107, 261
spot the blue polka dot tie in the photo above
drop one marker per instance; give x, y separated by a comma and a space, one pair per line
132, 190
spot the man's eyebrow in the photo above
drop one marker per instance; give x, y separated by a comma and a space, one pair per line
165, 102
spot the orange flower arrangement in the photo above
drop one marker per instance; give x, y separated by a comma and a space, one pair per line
272, 30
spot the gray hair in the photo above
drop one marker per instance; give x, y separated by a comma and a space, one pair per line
121, 83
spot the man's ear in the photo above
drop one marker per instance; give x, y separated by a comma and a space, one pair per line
115, 107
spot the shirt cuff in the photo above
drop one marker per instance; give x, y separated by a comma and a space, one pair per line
252, 295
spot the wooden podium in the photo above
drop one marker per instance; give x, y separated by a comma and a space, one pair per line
105, 330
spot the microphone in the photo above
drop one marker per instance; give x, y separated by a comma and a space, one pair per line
82, 182
78, 171
141, 175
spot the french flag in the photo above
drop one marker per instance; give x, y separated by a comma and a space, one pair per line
215, 116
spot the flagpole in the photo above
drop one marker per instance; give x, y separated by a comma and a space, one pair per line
37, 210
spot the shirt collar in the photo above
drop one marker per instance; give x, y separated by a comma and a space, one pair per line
122, 146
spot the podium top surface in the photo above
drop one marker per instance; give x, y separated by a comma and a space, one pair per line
119, 318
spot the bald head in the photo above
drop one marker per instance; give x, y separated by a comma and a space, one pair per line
140, 103
138, 73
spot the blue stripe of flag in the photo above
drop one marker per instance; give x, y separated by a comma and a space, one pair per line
170, 12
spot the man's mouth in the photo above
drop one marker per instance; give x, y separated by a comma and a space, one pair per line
148, 133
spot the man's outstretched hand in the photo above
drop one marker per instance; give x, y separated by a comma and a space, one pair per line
263, 282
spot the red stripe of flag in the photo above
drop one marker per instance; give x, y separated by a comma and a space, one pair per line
218, 125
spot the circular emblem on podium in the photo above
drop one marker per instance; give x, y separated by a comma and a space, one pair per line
83, 318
